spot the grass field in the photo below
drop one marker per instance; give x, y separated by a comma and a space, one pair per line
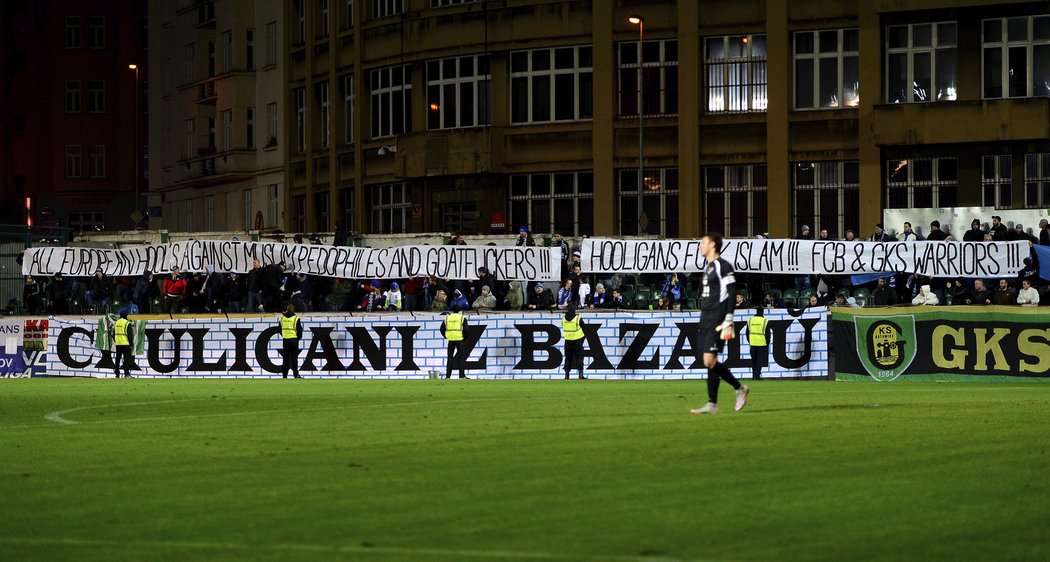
113, 470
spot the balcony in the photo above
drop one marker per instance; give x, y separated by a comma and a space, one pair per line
962, 121
206, 92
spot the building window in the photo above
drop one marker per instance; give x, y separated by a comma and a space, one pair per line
271, 124
275, 206
249, 129
227, 51
1017, 57
86, 221
386, 8
191, 138
997, 181
73, 162
458, 92
72, 32
551, 85
348, 15
211, 133
188, 216
72, 96
920, 183
735, 73
659, 77
300, 28
190, 56
346, 203
209, 213
322, 95
348, 108
299, 213
97, 161
323, 9
300, 120
249, 51
826, 196
826, 69
659, 201
96, 32
96, 96
443, 3
271, 43
559, 202
921, 62
391, 92
459, 217
211, 58
320, 209
227, 129
390, 204
249, 215
735, 199
1037, 181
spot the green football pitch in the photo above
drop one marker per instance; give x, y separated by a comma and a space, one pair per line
184, 470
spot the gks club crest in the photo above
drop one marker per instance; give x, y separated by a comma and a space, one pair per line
886, 345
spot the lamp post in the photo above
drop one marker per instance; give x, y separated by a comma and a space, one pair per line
640, 22
135, 67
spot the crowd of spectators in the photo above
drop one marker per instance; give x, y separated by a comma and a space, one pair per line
270, 287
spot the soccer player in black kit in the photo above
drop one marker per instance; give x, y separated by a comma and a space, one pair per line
716, 322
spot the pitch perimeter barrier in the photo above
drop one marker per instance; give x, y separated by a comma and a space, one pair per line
941, 343
621, 345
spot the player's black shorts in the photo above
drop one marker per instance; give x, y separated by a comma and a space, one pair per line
711, 340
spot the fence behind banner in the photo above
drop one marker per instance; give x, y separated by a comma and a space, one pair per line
621, 345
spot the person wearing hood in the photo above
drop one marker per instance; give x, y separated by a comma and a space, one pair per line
486, 301
925, 297
145, 291
515, 298
59, 294
459, 300
291, 333
453, 328
572, 331
100, 289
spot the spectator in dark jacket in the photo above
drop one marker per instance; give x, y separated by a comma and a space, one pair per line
272, 282
100, 289
234, 293
32, 296
59, 294
255, 287
145, 291
975, 234
981, 294
882, 295
543, 299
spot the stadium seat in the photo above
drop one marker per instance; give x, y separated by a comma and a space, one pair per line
790, 294
862, 301
15, 305
628, 292
790, 302
156, 306
843, 292
776, 292
642, 303
691, 303
861, 292
804, 294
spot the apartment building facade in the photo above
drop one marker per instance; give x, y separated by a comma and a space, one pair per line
217, 125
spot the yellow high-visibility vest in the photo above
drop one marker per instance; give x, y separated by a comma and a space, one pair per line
288, 325
120, 331
756, 330
454, 327
570, 329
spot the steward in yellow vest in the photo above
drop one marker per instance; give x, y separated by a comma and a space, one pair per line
572, 331
758, 332
453, 328
123, 338
291, 333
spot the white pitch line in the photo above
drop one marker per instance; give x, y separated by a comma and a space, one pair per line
355, 549
56, 416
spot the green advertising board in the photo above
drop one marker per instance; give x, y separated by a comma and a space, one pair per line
941, 343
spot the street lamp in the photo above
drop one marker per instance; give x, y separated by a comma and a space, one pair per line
136, 216
640, 22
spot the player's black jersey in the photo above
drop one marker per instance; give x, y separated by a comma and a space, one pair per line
717, 282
